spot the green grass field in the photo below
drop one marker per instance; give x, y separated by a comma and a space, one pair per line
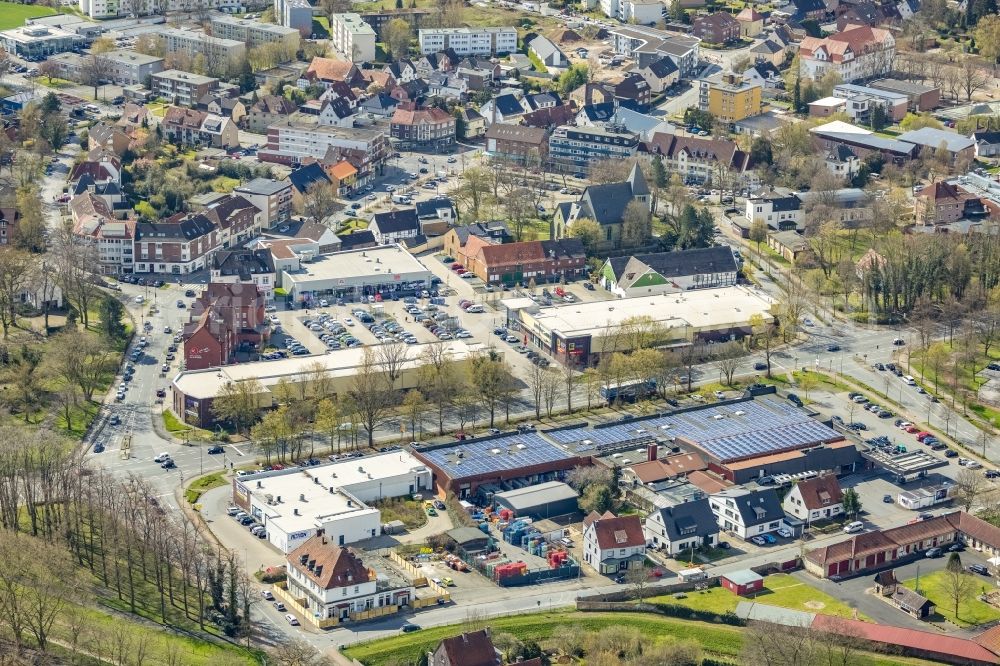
162, 647
971, 611
779, 590
12, 15
721, 642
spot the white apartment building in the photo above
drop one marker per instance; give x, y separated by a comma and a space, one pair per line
98, 9
215, 49
856, 53
295, 141
468, 41
254, 33
352, 37
640, 12
294, 14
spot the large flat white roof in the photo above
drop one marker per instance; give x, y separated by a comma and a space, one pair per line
307, 490
702, 309
384, 261
202, 384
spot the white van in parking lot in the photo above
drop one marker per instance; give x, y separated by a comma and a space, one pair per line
909, 380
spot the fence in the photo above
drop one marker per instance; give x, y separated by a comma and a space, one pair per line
417, 576
670, 610
530, 577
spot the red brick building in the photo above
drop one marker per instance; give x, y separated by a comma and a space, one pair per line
226, 318
522, 262
717, 28
940, 203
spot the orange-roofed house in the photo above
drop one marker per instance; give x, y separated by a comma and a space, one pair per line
344, 177
328, 70
859, 52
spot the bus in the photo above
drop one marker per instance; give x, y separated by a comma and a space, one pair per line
632, 391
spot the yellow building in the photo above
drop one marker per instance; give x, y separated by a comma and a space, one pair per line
729, 98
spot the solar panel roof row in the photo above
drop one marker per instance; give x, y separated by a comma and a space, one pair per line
473, 457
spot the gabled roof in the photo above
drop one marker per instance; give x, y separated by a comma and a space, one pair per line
689, 519
328, 69
427, 116
508, 105
544, 48
942, 191
619, 532
469, 649
552, 116
380, 101
184, 228
337, 567
396, 221
662, 68
931, 137
597, 113
357, 239
178, 116
536, 101
856, 40
534, 136
755, 506
680, 263
430, 208
749, 14
990, 138
820, 491
305, 177
926, 642
606, 204
274, 104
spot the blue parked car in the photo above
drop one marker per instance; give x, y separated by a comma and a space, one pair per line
769, 538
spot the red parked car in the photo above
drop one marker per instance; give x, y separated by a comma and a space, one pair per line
921, 436
911, 429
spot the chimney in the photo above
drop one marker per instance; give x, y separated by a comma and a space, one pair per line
323, 539
279, 499
332, 490
651, 452
295, 512
302, 497
260, 485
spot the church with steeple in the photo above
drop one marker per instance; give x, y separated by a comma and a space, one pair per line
605, 204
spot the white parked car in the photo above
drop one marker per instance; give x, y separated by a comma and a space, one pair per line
292, 620
163, 457
856, 526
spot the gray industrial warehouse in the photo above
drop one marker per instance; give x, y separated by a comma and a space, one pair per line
546, 500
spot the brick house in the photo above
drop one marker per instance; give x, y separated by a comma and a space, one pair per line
236, 219
226, 318
870, 551
522, 262
517, 143
940, 203
717, 28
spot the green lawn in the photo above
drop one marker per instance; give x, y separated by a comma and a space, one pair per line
162, 647
205, 483
12, 14
779, 590
721, 642
971, 611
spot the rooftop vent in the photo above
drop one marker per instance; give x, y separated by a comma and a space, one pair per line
740, 412
302, 497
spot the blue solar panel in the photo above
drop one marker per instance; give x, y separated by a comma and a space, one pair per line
473, 457
728, 432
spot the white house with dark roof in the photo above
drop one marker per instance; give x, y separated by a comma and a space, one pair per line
682, 527
670, 272
660, 74
395, 226
503, 109
747, 513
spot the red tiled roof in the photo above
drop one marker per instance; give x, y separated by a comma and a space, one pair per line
820, 491
470, 649
858, 40
906, 638
708, 483
941, 190
328, 69
669, 467
620, 532
428, 116
340, 567
990, 639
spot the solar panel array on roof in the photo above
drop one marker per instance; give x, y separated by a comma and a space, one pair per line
729, 432
474, 457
